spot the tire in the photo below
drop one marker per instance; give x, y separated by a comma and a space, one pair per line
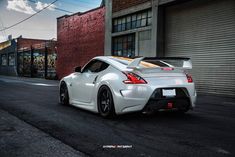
105, 102
64, 94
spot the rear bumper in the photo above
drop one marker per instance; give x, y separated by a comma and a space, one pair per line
168, 103
138, 98
154, 101
182, 100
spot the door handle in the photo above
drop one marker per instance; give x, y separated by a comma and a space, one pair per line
95, 79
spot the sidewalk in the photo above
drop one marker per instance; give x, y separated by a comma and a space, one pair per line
27, 79
20, 139
30, 81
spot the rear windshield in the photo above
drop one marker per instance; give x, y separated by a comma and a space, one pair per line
143, 64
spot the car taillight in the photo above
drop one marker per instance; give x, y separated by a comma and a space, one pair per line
189, 78
133, 78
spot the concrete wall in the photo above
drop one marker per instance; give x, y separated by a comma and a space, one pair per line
124, 4
80, 38
108, 28
144, 43
118, 8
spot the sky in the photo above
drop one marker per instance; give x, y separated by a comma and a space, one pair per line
42, 25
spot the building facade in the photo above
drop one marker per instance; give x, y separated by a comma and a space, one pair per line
80, 38
129, 28
8, 59
28, 57
203, 30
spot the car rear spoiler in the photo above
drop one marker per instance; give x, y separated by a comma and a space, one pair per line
187, 64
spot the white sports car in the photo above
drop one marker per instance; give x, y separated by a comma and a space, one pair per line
115, 85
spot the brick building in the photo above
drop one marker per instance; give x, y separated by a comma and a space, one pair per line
8, 53
203, 30
24, 43
80, 37
28, 57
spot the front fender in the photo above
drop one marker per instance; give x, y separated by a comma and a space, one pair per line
68, 81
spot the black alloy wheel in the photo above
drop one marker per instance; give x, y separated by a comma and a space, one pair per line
105, 102
64, 94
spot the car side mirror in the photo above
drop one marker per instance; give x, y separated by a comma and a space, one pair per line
78, 69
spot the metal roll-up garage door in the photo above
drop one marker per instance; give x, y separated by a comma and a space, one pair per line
205, 31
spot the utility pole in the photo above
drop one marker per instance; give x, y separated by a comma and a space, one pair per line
31, 63
46, 60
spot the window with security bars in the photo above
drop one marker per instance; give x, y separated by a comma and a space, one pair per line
4, 59
132, 21
124, 45
11, 59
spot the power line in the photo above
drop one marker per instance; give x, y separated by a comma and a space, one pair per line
63, 10
83, 4
56, 8
28, 17
81, 1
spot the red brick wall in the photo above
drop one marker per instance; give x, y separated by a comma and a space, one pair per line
80, 38
27, 43
123, 4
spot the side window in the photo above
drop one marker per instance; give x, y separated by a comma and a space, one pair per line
104, 66
95, 66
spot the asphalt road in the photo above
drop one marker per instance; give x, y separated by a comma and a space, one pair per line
207, 131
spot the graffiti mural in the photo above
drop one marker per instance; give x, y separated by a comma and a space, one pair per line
39, 64
37, 67
51, 72
24, 63
11, 59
